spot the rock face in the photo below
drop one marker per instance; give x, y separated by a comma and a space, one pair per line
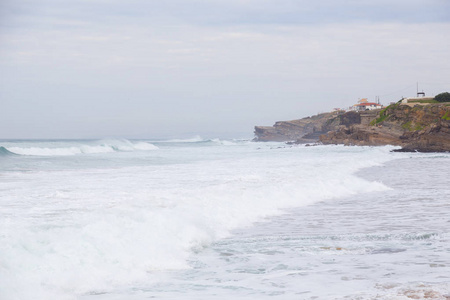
307, 129
435, 138
418, 128
423, 128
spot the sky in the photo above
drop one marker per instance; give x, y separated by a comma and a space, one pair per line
176, 69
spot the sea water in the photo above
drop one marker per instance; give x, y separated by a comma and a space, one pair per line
202, 219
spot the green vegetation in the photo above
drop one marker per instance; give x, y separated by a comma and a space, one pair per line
423, 101
407, 126
379, 120
446, 117
443, 97
419, 127
383, 114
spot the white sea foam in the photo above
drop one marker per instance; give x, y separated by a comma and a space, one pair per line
144, 146
224, 142
194, 139
94, 147
71, 232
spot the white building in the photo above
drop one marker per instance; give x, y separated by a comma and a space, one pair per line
363, 105
415, 99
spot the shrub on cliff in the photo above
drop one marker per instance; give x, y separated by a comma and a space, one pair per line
443, 97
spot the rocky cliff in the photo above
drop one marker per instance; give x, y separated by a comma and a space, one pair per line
424, 128
307, 129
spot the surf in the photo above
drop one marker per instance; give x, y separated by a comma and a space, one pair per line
118, 223
70, 148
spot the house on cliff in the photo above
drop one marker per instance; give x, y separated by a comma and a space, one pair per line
364, 105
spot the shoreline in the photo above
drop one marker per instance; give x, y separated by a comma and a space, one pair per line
327, 238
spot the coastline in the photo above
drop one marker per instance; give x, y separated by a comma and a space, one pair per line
418, 128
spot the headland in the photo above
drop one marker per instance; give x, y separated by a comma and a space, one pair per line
421, 125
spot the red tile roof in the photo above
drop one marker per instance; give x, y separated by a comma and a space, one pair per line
367, 104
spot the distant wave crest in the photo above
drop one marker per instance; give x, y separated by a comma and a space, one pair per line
194, 139
199, 140
59, 149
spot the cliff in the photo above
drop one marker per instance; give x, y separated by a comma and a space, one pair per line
423, 128
307, 129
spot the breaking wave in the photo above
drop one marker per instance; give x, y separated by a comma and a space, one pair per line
118, 226
194, 139
67, 149
199, 140
5, 152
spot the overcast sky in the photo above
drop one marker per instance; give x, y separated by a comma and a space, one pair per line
173, 68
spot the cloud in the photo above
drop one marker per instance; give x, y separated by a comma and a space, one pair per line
108, 68
221, 12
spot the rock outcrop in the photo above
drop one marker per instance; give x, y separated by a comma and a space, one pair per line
434, 138
307, 129
419, 128
423, 128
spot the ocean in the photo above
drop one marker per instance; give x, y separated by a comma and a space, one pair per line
221, 219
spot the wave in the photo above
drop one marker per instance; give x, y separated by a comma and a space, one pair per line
199, 140
70, 148
5, 152
222, 142
194, 139
119, 226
